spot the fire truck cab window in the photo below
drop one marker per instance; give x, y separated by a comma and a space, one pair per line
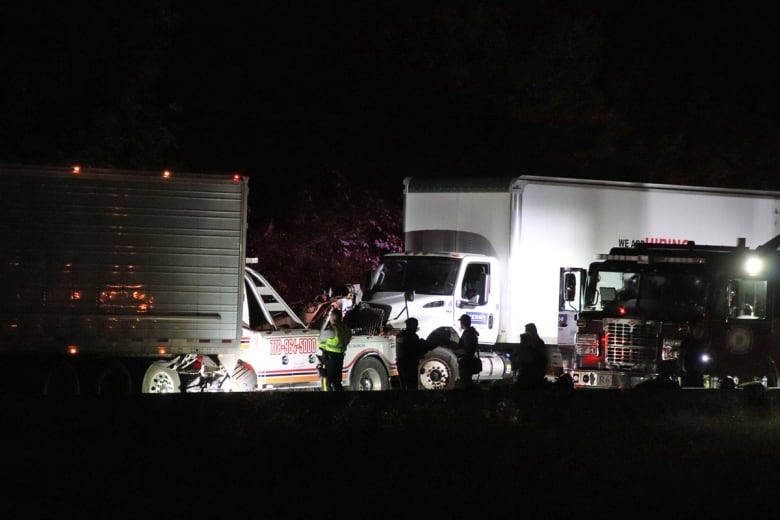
746, 298
674, 291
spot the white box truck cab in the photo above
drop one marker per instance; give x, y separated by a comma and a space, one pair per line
498, 249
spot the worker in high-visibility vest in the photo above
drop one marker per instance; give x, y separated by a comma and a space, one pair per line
333, 343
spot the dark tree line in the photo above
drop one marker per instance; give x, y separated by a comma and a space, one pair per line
288, 92
335, 234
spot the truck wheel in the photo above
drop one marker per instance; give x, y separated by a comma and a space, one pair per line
369, 375
62, 379
159, 379
439, 370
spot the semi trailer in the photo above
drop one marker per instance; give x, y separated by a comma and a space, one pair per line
129, 281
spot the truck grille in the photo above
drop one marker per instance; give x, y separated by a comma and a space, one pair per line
631, 342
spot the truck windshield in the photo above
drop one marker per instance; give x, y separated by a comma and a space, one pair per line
668, 293
428, 275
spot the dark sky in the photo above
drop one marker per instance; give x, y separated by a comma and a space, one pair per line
289, 90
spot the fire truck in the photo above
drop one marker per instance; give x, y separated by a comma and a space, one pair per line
697, 315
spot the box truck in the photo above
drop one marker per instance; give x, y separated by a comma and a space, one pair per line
500, 250
126, 281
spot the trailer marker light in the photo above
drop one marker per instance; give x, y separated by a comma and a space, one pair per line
76, 169
236, 177
166, 174
73, 350
162, 350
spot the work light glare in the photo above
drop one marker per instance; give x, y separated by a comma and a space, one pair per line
753, 265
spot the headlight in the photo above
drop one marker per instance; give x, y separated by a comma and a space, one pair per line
671, 349
587, 345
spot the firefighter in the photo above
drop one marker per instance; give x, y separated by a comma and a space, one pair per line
333, 345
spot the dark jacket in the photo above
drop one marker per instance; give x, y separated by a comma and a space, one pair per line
530, 359
467, 352
467, 345
410, 348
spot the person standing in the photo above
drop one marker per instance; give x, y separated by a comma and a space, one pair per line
410, 350
333, 344
467, 351
531, 358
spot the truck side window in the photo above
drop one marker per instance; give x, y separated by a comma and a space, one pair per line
746, 298
475, 287
751, 299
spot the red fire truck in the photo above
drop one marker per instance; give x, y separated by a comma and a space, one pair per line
699, 315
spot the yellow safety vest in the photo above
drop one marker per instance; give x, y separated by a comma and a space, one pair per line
333, 344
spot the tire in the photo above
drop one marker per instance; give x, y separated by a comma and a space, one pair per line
159, 379
369, 375
439, 370
114, 379
62, 379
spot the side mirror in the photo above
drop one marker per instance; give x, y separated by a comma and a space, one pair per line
570, 284
375, 278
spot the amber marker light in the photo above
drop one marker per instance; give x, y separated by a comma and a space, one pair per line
162, 350
76, 169
73, 350
167, 174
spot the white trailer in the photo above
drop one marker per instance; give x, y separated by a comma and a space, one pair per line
123, 281
496, 249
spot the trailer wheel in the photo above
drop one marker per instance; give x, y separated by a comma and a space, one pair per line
369, 375
439, 370
114, 378
244, 378
159, 379
62, 379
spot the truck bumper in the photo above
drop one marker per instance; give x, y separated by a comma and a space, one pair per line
607, 379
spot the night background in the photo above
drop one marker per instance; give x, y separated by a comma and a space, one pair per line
327, 106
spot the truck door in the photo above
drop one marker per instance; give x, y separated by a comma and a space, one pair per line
570, 299
478, 298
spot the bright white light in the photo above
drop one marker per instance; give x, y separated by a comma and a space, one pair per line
705, 358
753, 265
